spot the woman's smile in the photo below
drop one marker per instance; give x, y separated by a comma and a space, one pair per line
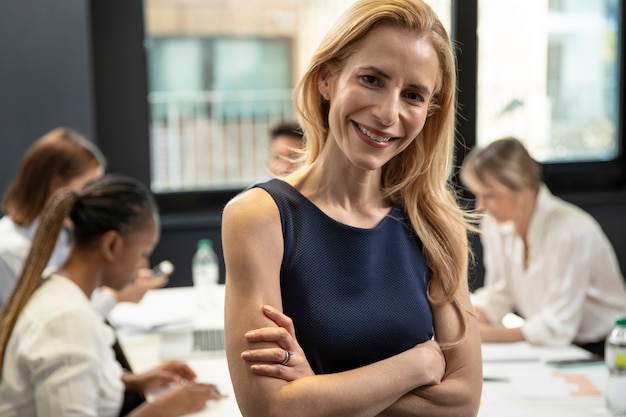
369, 136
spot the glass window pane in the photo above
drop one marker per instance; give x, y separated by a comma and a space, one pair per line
548, 73
220, 75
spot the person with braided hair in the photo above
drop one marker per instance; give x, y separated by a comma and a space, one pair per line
62, 158
56, 356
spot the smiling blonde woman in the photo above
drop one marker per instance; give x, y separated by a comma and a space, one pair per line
363, 251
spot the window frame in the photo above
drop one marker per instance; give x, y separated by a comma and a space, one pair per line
561, 177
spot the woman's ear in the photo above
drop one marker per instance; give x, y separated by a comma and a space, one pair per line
111, 244
323, 82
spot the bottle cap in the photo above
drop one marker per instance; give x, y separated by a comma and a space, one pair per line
621, 321
205, 243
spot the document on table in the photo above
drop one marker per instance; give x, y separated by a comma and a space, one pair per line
494, 405
509, 352
538, 381
148, 317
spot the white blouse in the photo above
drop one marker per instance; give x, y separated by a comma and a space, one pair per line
59, 360
572, 289
15, 243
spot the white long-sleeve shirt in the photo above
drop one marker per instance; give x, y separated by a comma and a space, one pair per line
572, 289
15, 243
59, 360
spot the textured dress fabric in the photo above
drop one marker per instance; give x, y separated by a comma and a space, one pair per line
356, 295
59, 360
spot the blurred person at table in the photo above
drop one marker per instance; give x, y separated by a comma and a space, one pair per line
61, 159
286, 145
56, 356
544, 258
364, 248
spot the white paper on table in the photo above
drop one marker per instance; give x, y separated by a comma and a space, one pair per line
143, 317
509, 352
493, 405
536, 381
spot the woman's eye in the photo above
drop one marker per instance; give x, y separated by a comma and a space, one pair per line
415, 97
369, 79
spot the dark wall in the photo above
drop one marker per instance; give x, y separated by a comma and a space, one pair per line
45, 74
120, 85
179, 236
79, 64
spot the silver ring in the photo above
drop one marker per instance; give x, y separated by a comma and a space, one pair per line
288, 355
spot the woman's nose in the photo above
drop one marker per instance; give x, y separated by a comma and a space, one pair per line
387, 110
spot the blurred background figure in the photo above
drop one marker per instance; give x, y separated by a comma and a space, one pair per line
544, 258
286, 144
61, 159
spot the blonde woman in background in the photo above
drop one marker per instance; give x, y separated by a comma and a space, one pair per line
545, 258
364, 248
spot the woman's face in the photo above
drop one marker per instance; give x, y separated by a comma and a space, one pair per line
133, 254
379, 100
283, 153
502, 203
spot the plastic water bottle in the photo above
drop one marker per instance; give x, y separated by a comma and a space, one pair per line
615, 357
205, 273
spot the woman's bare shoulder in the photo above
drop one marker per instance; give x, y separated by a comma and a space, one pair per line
253, 207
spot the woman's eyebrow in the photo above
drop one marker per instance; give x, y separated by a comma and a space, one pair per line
387, 76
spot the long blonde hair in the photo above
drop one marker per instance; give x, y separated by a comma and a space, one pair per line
506, 161
418, 179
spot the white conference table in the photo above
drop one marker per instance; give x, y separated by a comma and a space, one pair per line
518, 381
143, 327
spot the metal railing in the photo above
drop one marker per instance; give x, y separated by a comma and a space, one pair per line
213, 139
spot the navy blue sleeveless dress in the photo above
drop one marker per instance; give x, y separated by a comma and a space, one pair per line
355, 295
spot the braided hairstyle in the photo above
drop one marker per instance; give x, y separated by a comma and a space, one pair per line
112, 202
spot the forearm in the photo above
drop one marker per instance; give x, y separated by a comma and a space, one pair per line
365, 391
451, 398
132, 382
459, 392
499, 334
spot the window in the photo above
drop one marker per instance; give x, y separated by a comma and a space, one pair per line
220, 75
549, 73
210, 113
230, 67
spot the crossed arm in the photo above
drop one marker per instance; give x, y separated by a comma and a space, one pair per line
417, 382
268, 362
